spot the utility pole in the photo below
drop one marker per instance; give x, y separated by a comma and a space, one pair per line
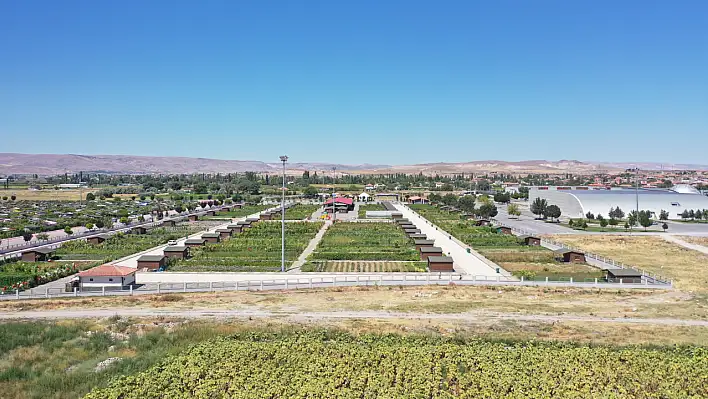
283, 158
334, 207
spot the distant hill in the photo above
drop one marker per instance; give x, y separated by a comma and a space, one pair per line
54, 164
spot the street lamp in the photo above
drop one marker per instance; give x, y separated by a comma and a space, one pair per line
283, 159
334, 202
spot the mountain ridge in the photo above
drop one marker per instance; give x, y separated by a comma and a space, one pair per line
54, 164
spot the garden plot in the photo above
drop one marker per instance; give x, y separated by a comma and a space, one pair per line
365, 247
256, 249
300, 212
25, 275
122, 244
506, 250
237, 212
363, 266
369, 207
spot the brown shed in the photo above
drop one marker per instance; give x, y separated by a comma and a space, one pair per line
423, 243
95, 240
570, 256
152, 262
402, 221
237, 206
235, 228
440, 264
530, 240
505, 230
138, 230
266, 216
418, 236
193, 218
195, 242
224, 233
226, 208
410, 232
211, 213
425, 252
37, 255
169, 223
177, 252
212, 238
626, 275
244, 224
252, 220
481, 222
396, 215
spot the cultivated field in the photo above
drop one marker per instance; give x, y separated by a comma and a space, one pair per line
46, 195
238, 212
256, 249
365, 241
688, 268
363, 266
278, 365
300, 211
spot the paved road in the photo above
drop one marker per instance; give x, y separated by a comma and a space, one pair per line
316, 316
464, 262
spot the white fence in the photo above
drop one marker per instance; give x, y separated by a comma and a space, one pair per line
304, 282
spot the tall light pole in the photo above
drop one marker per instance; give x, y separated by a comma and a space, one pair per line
283, 159
334, 202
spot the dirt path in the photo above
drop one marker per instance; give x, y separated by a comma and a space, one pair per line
317, 316
685, 244
310, 248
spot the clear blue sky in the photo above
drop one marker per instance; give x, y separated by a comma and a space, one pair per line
357, 81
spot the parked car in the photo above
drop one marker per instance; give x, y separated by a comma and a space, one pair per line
172, 242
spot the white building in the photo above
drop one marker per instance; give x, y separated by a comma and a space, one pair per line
363, 197
576, 202
110, 277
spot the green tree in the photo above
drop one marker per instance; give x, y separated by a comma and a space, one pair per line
698, 214
487, 210
613, 222
123, 220
603, 222
513, 210
585, 225
692, 214
589, 215
645, 219
502, 197
632, 218
310, 192
538, 206
42, 236
466, 203
626, 225
68, 231
89, 225
663, 215
665, 227
13, 197
27, 236
552, 211
99, 224
90, 197
434, 198
141, 218
684, 214
450, 199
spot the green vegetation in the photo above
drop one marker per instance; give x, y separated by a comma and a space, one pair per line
364, 266
506, 250
300, 211
238, 212
256, 249
25, 275
317, 364
369, 207
365, 241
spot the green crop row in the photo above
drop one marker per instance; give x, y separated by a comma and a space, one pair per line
322, 365
365, 241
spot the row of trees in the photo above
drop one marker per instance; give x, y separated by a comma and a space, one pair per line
697, 214
542, 208
467, 204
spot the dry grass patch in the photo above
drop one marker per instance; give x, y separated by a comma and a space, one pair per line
688, 268
696, 240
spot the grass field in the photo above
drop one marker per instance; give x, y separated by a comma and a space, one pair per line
300, 211
696, 240
363, 266
686, 267
365, 241
256, 249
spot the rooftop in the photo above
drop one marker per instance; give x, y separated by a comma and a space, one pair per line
176, 248
151, 258
108, 271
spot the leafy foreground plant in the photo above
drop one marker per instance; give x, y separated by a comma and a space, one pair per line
325, 365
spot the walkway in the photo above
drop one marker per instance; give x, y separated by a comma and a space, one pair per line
685, 244
310, 248
466, 263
